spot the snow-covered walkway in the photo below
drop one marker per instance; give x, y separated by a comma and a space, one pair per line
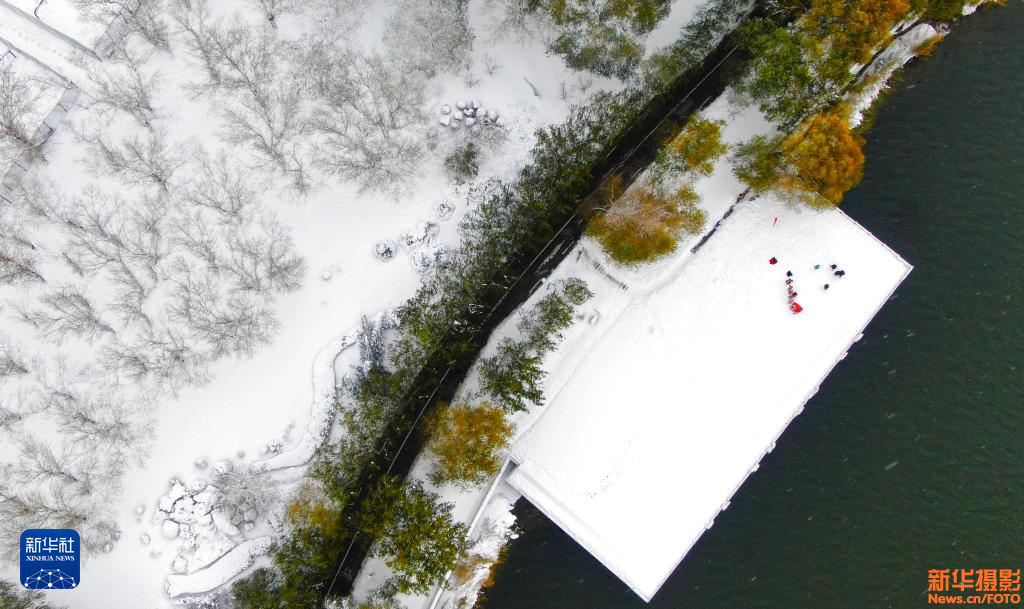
49, 49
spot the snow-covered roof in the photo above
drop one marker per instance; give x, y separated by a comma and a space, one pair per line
691, 385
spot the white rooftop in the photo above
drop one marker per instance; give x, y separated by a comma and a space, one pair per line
690, 386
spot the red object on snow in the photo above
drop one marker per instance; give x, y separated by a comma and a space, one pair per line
775, 221
772, 260
796, 308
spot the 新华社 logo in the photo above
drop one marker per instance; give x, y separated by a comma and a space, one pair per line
51, 559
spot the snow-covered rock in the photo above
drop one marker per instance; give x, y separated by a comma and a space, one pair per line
170, 529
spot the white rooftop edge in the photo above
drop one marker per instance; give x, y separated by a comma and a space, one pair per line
686, 390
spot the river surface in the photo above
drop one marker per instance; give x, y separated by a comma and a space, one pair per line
911, 457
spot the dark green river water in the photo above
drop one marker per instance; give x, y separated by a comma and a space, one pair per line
935, 386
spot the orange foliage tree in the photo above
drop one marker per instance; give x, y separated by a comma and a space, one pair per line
853, 29
822, 159
467, 442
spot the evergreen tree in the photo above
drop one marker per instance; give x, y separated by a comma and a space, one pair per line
414, 532
512, 377
260, 590
13, 596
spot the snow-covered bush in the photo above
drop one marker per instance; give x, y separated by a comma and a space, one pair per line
243, 495
464, 162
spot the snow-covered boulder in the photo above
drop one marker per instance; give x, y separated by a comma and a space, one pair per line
170, 529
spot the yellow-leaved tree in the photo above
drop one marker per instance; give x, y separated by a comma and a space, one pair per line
822, 159
817, 163
645, 222
467, 442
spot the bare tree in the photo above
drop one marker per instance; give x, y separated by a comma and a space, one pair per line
429, 35
160, 356
12, 360
148, 23
59, 508
68, 312
271, 123
14, 410
82, 472
125, 87
17, 263
197, 235
97, 420
368, 104
227, 324
103, 11
148, 161
19, 113
35, 198
223, 187
265, 260
105, 232
18, 256
265, 113
142, 17
272, 9
233, 57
